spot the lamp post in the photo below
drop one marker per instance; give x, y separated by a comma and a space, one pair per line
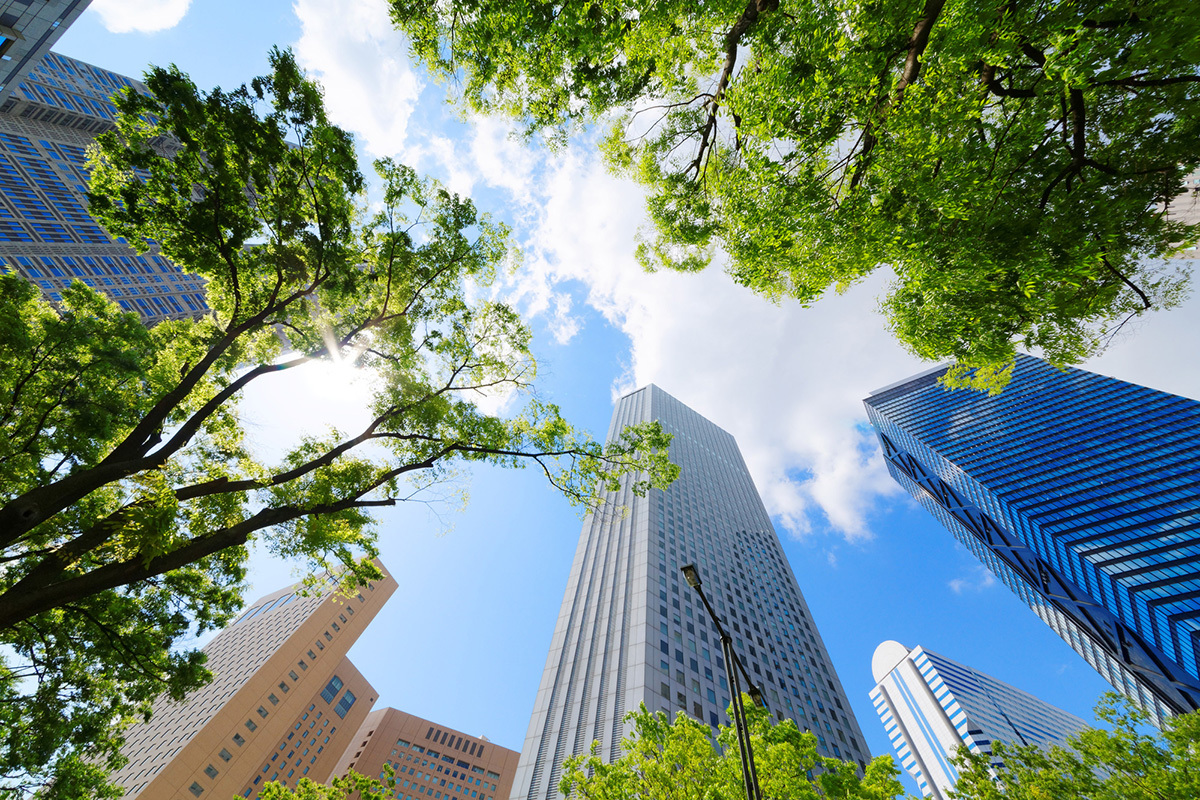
749, 773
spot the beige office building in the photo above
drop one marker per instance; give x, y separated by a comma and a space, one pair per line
431, 761
284, 702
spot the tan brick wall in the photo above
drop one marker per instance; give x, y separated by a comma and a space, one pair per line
270, 669
436, 762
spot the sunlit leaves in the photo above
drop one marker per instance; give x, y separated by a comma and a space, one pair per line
1009, 167
664, 759
1118, 761
130, 493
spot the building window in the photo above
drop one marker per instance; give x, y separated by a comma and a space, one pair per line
331, 690
250, 724
196, 789
274, 701
225, 755
210, 771
262, 712
344, 704
283, 687
238, 740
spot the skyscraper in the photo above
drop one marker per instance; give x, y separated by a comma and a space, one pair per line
284, 701
27, 32
430, 761
1082, 494
46, 235
1186, 209
630, 630
931, 706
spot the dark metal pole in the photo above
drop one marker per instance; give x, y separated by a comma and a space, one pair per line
739, 722
749, 770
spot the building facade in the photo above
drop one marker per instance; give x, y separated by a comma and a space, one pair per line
1186, 209
931, 706
47, 236
284, 702
429, 760
28, 29
630, 630
1082, 494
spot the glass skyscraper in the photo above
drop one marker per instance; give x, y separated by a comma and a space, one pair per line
47, 236
631, 631
931, 706
27, 32
1082, 494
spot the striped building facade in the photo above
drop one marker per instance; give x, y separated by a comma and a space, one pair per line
1081, 493
931, 706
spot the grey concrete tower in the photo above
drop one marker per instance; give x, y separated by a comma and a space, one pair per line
631, 631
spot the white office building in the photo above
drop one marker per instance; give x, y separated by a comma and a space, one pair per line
931, 706
630, 630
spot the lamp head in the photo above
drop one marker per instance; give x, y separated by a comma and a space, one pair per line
757, 696
691, 575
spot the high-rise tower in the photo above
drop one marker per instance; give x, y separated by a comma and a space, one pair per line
630, 630
47, 122
931, 706
27, 32
1082, 494
430, 761
284, 702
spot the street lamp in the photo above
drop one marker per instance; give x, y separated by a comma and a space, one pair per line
749, 773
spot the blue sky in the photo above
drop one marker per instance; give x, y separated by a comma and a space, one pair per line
464, 639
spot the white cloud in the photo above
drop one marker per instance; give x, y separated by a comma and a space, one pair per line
981, 578
351, 47
787, 382
142, 16
502, 161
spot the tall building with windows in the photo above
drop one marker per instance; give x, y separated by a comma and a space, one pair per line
1186, 209
1082, 494
630, 630
47, 121
284, 702
28, 29
429, 761
931, 706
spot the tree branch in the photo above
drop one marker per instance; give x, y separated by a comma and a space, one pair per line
733, 38
912, 70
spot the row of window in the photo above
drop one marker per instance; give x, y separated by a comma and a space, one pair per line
328, 694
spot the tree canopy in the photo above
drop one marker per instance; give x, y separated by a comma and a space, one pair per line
1123, 763
1010, 163
665, 759
128, 493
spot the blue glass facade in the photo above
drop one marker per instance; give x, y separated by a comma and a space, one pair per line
1082, 494
46, 233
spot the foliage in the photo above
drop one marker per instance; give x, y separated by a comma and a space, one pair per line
351, 786
127, 491
1121, 764
677, 760
1009, 163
